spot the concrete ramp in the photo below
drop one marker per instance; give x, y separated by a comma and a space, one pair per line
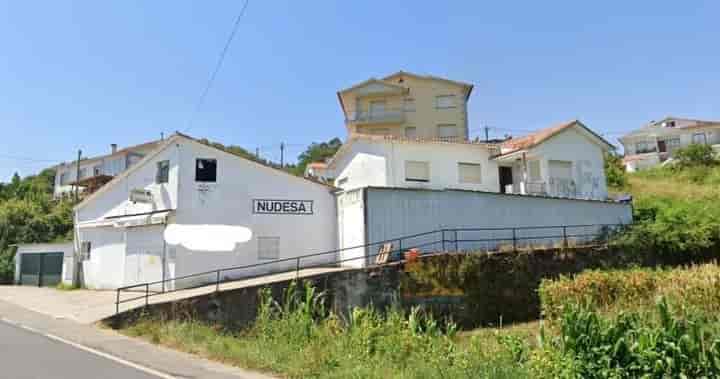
88, 306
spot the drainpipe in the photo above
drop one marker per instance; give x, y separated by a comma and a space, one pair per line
523, 183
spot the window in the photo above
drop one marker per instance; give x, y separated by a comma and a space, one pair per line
699, 138
377, 108
97, 170
64, 178
206, 170
409, 105
447, 131
411, 132
114, 167
83, 172
416, 171
268, 247
469, 173
534, 171
644, 147
445, 101
163, 172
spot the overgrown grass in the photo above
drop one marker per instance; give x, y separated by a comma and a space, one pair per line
66, 287
696, 288
299, 339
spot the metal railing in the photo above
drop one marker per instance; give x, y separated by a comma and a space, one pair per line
375, 116
481, 240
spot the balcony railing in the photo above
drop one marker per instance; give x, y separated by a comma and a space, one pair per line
372, 117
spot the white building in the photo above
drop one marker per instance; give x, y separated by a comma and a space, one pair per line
185, 182
44, 264
656, 142
561, 161
96, 171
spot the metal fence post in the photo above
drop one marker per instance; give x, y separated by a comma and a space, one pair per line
297, 268
456, 241
565, 240
442, 237
147, 294
514, 240
117, 301
217, 282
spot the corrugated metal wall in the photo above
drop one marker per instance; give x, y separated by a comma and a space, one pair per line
393, 213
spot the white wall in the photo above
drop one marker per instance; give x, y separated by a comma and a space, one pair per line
393, 213
351, 227
229, 202
362, 165
587, 162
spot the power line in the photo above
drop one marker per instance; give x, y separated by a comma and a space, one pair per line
217, 66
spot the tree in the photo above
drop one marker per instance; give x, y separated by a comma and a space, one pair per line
317, 152
614, 171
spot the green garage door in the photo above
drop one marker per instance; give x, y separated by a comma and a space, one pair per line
41, 269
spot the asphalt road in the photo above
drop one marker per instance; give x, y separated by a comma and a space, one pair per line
28, 355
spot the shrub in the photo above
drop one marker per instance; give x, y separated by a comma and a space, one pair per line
615, 171
695, 155
631, 346
696, 287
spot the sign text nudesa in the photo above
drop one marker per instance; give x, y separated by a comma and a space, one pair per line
289, 207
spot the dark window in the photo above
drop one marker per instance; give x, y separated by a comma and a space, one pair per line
163, 172
206, 170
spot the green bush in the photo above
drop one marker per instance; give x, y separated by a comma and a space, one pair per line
695, 287
695, 155
630, 345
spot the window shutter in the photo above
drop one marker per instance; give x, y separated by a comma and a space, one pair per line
416, 171
470, 172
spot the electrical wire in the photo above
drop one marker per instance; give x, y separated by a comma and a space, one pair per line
220, 61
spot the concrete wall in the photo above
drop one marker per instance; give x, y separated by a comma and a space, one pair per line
393, 213
38, 248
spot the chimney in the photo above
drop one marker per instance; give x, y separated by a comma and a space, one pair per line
113, 148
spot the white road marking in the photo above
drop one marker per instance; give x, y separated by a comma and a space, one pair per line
90, 350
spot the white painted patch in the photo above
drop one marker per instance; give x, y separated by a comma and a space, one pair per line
215, 238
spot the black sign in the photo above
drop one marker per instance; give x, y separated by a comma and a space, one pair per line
283, 207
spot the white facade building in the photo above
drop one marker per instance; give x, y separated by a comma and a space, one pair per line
656, 142
95, 172
185, 182
561, 161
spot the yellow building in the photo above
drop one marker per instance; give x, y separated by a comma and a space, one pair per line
407, 105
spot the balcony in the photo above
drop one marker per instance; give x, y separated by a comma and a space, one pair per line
387, 116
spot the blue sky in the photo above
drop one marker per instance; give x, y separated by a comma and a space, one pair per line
84, 74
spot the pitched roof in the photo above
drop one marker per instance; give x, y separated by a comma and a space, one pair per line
656, 126
533, 139
169, 141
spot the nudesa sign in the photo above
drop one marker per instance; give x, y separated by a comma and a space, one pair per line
283, 207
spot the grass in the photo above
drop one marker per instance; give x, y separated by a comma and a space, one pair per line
66, 287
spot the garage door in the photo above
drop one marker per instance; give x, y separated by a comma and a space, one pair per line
144, 255
41, 269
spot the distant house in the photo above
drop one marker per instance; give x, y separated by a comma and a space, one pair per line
656, 142
96, 171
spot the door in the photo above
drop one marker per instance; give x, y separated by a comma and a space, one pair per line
662, 146
41, 269
144, 255
506, 177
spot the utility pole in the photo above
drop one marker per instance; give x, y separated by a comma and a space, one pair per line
257, 152
487, 133
282, 154
77, 178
